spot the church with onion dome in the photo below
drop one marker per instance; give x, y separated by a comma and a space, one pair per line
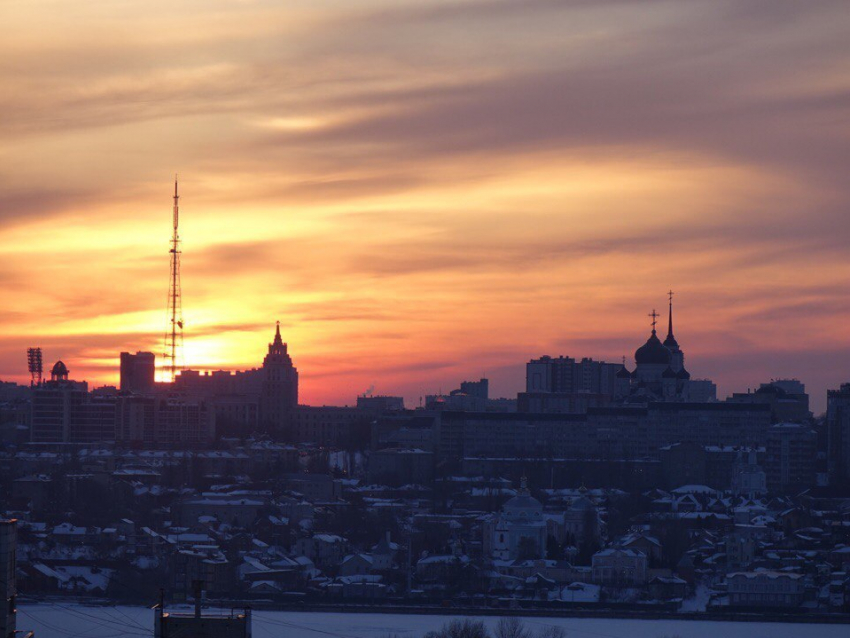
659, 373
519, 531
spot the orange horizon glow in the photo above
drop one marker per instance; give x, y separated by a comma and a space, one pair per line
427, 194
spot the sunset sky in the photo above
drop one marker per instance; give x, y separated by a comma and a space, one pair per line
428, 191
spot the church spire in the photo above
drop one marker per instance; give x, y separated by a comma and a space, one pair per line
670, 318
670, 342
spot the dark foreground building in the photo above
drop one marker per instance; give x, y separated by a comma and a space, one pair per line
196, 625
604, 433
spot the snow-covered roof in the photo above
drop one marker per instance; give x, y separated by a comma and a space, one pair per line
611, 551
443, 558
694, 489
766, 574
364, 557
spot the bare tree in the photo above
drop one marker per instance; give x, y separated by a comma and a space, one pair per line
460, 629
552, 631
511, 627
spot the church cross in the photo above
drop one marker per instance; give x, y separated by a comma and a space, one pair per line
654, 316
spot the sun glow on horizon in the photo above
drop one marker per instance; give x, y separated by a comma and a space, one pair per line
415, 204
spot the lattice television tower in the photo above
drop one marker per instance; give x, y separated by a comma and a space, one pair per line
34, 365
174, 332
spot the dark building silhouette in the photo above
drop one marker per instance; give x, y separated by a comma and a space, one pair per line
791, 450
138, 372
683, 464
659, 373
63, 411
479, 389
279, 393
565, 385
787, 399
329, 425
245, 400
163, 421
401, 466
561, 402
471, 396
838, 433
565, 375
222, 625
378, 404
632, 432
8, 545
719, 467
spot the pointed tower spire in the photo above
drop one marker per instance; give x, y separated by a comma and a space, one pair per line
670, 342
670, 318
277, 347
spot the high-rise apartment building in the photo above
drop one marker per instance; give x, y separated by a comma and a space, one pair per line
479, 389
138, 372
569, 376
838, 433
791, 449
63, 411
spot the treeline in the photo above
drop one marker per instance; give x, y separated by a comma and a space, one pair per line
507, 627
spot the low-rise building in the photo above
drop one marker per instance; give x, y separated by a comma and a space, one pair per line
238, 510
330, 425
765, 589
619, 567
313, 487
325, 550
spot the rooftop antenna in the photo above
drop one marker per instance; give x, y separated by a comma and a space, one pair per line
174, 332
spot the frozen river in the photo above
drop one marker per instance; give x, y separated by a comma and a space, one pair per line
51, 620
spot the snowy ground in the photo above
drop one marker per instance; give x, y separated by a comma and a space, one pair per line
51, 620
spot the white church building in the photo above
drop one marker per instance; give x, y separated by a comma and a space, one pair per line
521, 517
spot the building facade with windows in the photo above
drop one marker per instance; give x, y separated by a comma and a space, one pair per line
765, 589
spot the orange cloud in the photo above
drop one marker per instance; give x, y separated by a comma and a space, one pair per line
427, 193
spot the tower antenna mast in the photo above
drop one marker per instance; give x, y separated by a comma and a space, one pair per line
34, 365
174, 332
